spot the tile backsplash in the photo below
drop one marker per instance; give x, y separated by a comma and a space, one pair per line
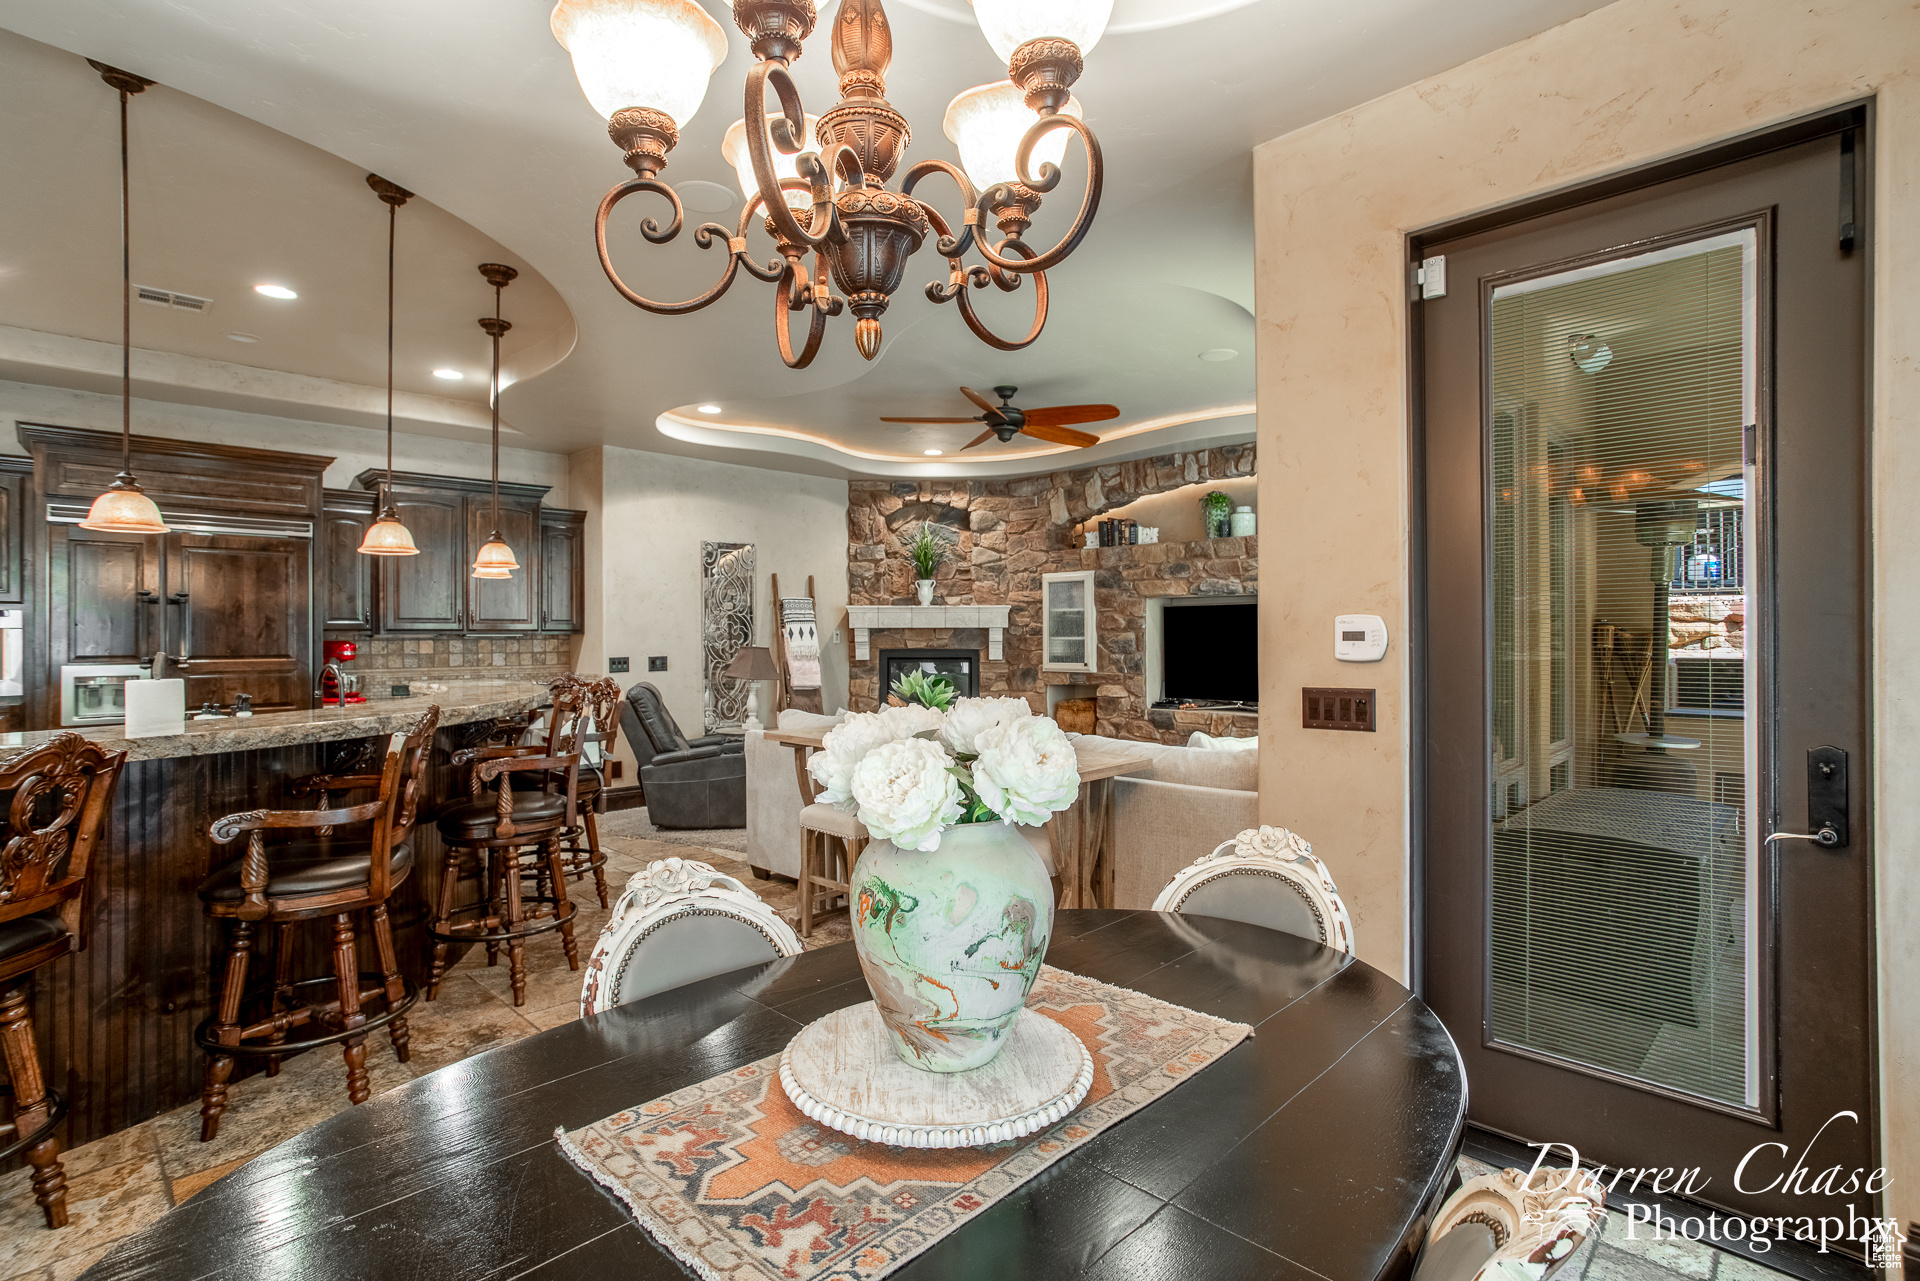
382, 660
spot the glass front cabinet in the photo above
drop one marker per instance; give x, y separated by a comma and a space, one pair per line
1069, 639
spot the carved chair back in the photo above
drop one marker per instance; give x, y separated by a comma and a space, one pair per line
1264, 876
1511, 1224
416, 773
557, 762
56, 798
680, 921
380, 812
600, 702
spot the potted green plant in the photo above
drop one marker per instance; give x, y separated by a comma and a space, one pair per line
926, 549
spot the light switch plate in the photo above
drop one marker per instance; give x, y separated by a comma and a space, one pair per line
617, 665
657, 663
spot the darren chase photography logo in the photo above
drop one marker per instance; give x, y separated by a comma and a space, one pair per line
1766, 1168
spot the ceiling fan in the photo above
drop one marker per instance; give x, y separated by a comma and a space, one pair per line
1006, 422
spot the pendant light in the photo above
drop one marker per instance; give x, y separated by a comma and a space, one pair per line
495, 558
387, 536
124, 508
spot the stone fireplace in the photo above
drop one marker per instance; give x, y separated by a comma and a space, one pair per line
1003, 535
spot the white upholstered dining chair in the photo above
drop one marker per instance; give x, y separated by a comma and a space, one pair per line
1264, 876
1509, 1227
679, 921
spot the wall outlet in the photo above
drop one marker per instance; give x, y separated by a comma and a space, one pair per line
1337, 709
616, 665
835, 638
657, 663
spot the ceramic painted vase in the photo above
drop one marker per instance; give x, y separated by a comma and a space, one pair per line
951, 939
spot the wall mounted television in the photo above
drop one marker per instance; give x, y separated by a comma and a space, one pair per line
1211, 652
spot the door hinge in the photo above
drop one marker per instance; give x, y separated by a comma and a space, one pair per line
1430, 277
1750, 445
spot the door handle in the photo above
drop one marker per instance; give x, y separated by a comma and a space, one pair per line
1827, 812
1826, 836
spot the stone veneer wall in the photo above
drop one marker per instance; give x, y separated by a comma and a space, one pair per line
1005, 534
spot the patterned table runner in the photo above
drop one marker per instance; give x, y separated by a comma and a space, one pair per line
733, 1179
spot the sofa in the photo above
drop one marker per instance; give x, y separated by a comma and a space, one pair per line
1184, 804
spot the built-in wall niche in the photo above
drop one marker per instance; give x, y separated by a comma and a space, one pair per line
1176, 513
1202, 650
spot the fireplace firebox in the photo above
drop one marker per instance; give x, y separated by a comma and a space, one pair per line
961, 666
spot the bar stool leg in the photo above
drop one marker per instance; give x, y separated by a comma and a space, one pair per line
282, 986
496, 896
346, 973
213, 1095
442, 918
30, 1103
595, 859
562, 906
396, 988
516, 917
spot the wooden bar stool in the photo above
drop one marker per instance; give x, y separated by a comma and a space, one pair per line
830, 844
505, 835
56, 799
322, 874
599, 702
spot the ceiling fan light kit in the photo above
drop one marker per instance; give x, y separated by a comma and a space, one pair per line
820, 187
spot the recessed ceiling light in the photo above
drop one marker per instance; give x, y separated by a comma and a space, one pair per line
451, 375
275, 291
709, 409
237, 336
933, 453
1217, 354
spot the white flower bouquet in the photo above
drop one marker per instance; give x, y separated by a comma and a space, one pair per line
910, 773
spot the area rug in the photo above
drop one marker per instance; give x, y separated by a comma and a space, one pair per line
740, 1186
635, 823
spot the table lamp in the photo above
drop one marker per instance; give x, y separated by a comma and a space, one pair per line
754, 663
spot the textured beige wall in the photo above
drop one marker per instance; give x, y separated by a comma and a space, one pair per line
1632, 82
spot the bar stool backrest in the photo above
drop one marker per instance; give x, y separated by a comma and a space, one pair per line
56, 799
416, 773
1264, 876
1508, 1224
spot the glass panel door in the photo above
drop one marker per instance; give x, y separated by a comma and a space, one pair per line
1623, 865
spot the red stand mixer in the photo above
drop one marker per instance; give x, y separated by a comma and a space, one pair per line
334, 680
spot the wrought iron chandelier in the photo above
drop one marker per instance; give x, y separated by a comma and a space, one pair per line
821, 184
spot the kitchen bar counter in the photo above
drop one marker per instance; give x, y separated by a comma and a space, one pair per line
115, 1022
462, 703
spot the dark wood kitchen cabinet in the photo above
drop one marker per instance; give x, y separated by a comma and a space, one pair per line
504, 604
344, 578
562, 570
228, 592
16, 481
426, 593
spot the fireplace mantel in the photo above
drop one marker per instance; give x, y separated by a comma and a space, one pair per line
867, 619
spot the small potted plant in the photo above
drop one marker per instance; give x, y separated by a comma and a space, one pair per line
926, 549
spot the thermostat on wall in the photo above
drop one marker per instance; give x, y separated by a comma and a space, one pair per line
1359, 638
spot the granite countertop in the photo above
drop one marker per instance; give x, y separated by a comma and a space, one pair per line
460, 703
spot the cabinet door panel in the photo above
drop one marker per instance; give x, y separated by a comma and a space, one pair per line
104, 576
240, 616
348, 599
502, 604
13, 489
427, 593
561, 577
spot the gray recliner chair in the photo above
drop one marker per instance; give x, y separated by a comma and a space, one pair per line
688, 783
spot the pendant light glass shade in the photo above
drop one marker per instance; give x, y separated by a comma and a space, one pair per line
733, 149
1008, 24
987, 123
388, 537
124, 509
495, 559
641, 53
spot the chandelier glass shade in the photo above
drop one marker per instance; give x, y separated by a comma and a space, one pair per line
819, 188
124, 509
655, 54
987, 124
388, 537
495, 559
1008, 24
734, 150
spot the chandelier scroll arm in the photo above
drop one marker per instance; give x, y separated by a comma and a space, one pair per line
947, 246
760, 144
1049, 179
704, 236
787, 298
979, 276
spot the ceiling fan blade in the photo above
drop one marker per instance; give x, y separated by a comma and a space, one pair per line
929, 420
980, 400
1060, 415
981, 439
1060, 435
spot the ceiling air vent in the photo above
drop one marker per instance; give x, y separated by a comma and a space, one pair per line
167, 298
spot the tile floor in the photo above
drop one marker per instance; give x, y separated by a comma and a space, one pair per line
121, 1183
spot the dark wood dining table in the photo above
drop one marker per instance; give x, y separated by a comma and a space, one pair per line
1316, 1148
